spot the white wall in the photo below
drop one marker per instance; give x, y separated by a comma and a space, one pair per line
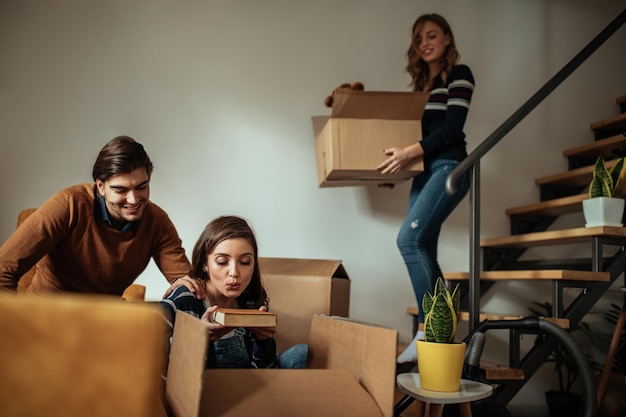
221, 94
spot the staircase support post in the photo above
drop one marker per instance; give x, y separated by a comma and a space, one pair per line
474, 252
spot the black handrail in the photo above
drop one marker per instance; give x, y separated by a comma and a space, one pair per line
537, 98
472, 161
472, 164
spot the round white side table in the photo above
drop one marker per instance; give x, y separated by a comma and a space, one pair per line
409, 384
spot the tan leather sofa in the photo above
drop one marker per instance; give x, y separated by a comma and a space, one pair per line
77, 355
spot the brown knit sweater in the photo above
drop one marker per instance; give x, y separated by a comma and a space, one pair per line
74, 252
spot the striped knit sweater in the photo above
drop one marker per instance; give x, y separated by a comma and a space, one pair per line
445, 115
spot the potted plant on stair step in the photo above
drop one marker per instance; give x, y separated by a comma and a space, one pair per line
441, 368
603, 208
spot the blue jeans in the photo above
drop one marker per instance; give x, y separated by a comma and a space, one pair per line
293, 357
231, 352
429, 206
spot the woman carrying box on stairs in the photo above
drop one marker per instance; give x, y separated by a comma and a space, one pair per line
434, 68
225, 259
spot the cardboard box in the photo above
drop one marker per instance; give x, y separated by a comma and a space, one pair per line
351, 372
349, 143
300, 288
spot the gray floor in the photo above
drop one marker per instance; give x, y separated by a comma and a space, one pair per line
529, 411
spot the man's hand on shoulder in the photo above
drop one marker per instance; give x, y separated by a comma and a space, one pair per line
195, 286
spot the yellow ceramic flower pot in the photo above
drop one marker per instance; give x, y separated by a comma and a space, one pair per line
440, 365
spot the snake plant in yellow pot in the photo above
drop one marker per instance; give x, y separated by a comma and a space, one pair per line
439, 357
604, 207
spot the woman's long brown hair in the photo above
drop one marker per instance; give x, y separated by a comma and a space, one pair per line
421, 79
217, 231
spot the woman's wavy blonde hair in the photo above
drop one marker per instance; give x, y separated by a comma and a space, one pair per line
421, 80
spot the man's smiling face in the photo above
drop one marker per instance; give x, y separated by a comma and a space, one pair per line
126, 195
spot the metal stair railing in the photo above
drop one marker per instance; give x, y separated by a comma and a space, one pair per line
536, 356
472, 161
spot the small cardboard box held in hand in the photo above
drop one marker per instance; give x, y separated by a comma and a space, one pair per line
350, 372
349, 144
300, 288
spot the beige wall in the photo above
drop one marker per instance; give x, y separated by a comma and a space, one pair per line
221, 94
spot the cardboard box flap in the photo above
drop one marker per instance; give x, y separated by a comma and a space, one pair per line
285, 392
391, 105
324, 268
186, 366
300, 288
366, 351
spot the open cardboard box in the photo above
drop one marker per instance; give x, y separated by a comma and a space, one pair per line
350, 372
349, 144
300, 288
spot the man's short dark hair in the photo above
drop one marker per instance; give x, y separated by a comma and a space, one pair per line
121, 155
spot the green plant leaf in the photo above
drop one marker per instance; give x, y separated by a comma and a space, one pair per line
617, 173
602, 183
440, 320
440, 313
456, 298
427, 306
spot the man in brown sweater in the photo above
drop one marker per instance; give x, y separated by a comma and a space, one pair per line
98, 237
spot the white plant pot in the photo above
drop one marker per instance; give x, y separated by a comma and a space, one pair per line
603, 211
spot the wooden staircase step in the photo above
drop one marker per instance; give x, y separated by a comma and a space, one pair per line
464, 316
604, 147
496, 372
572, 178
612, 125
532, 274
412, 310
550, 208
553, 237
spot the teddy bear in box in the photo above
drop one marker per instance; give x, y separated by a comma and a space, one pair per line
357, 85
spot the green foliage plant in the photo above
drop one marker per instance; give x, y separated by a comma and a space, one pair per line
441, 313
606, 181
